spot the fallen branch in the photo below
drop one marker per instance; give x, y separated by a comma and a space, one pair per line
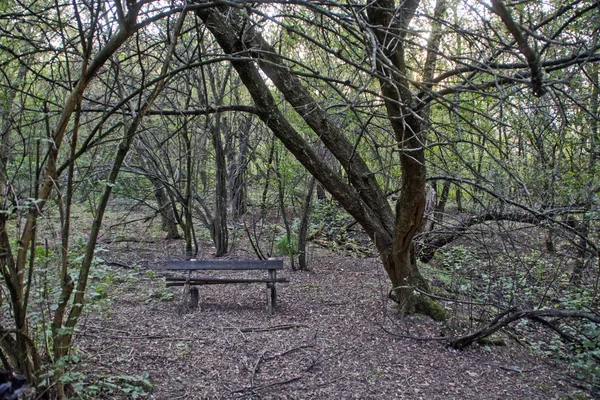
269, 328
255, 369
285, 353
254, 389
514, 314
118, 264
565, 336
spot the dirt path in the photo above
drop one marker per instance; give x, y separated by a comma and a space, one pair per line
326, 341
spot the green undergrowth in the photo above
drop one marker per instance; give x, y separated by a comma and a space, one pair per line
484, 287
106, 285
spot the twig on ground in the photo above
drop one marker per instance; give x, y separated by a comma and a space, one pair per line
235, 328
306, 346
149, 337
329, 382
268, 328
516, 369
254, 389
315, 362
118, 264
255, 369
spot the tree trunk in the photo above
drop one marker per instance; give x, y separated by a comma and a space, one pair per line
188, 198
219, 223
409, 125
304, 222
289, 243
459, 204
441, 207
584, 227
166, 207
167, 217
238, 171
321, 194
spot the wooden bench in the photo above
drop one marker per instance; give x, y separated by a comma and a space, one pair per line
221, 265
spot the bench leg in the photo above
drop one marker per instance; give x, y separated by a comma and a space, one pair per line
194, 298
271, 297
272, 292
190, 299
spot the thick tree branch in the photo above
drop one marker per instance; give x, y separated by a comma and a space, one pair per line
269, 112
530, 55
513, 314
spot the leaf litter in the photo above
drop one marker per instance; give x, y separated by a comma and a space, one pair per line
334, 335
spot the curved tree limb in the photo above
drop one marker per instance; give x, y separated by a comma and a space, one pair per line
513, 314
537, 215
532, 58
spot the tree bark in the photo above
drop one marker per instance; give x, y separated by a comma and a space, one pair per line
441, 207
406, 118
321, 194
238, 171
304, 222
165, 208
219, 223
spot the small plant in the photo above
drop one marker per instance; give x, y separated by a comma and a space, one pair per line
85, 387
286, 245
161, 296
131, 386
182, 348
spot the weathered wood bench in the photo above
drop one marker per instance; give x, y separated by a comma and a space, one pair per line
221, 265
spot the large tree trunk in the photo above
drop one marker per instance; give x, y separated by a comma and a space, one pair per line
408, 118
358, 192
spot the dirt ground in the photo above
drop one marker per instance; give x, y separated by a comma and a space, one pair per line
334, 336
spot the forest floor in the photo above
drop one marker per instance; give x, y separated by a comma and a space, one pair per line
334, 335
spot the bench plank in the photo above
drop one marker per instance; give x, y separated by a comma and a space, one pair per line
224, 265
172, 281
